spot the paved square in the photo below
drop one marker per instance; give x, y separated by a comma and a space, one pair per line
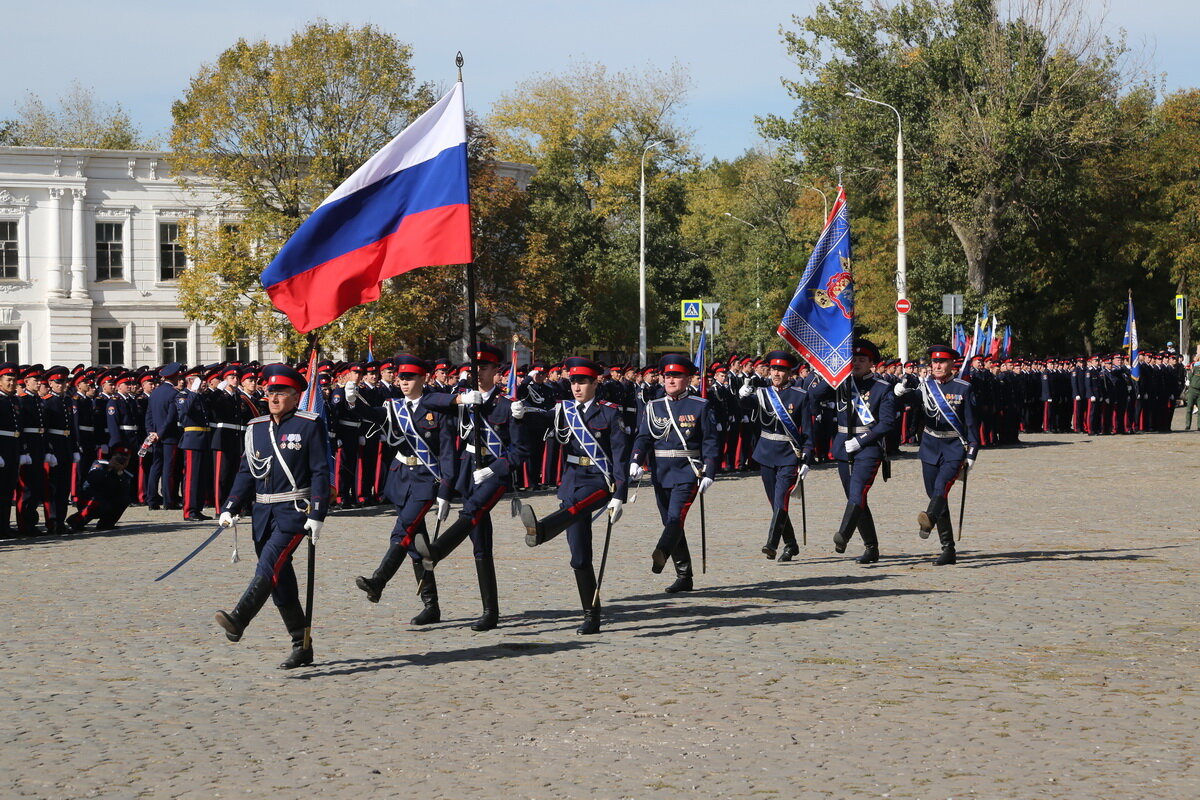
1057, 660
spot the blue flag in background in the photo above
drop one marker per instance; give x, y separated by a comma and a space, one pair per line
819, 322
1131, 341
313, 399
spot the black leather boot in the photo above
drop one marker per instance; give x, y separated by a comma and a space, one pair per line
391, 562
252, 601
671, 535
928, 518
946, 536
541, 531
683, 569
585, 581
846, 529
773, 533
435, 551
427, 591
791, 548
866, 529
485, 570
296, 622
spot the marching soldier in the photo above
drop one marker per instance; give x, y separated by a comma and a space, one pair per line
950, 441
10, 444
285, 473
420, 474
489, 419
779, 411
677, 437
865, 414
591, 434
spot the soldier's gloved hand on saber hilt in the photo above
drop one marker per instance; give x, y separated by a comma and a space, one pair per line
481, 475
25, 460
804, 468
443, 509
614, 509
225, 520
635, 471
704, 484
518, 409
51, 460
853, 446
313, 526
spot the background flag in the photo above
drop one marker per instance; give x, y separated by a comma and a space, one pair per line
701, 362
1131, 341
819, 322
406, 207
511, 389
313, 400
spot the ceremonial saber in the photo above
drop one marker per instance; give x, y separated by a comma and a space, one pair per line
962, 506
803, 515
312, 580
212, 537
603, 561
436, 530
703, 540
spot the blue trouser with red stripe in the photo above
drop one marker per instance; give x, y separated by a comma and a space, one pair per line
674, 502
275, 563
585, 496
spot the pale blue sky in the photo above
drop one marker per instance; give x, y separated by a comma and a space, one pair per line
142, 52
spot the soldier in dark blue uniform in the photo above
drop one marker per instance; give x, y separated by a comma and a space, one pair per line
83, 387
483, 478
61, 449
121, 414
285, 472
230, 414
33, 452
591, 434
192, 412
420, 474
865, 414
10, 444
537, 394
162, 425
950, 439
347, 428
105, 493
678, 439
781, 445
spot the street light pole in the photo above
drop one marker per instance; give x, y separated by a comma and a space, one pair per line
824, 197
901, 254
650, 145
757, 288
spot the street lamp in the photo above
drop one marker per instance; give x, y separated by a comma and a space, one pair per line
856, 93
824, 197
650, 145
757, 288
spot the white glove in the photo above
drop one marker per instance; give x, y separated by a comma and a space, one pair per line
75, 458
970, 463
313, 526
1, 463
746, 390
103, 451
803, 471
351, 390
470, 398
1077, 397
614, 509
25, 460
518, 409
899, 389
704, 484
362, 440
443, 509
635, 471
193, 383
533, 373
853, 445
481, 475
225, 520
51, 460
224, 383
1092, 398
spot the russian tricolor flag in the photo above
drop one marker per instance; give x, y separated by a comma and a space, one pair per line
407, 207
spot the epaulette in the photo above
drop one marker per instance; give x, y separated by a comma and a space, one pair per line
882, 380
308, 415
607, 403
263, 418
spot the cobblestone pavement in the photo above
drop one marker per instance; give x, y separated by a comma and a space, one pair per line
1057, 660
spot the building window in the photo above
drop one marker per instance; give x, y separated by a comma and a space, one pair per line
174, 345
171, 258
10, 346
238, 352
9, 249
110, 264
110, 346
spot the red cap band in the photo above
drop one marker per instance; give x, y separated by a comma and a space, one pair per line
588, 371
409, 369
283, 380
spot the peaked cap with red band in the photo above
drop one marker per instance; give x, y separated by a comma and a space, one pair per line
780, 359
411, 365
585, 367
942, 352
276, 376
487, 354
676, 364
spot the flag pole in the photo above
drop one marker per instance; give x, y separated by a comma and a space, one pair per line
476, 429
313, 345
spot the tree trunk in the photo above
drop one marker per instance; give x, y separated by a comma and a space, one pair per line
979, 236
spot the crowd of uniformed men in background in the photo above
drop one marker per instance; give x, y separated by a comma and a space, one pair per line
172, 437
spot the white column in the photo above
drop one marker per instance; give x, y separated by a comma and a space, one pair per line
78, 260
54, 266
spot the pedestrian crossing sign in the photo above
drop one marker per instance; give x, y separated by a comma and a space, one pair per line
691, 311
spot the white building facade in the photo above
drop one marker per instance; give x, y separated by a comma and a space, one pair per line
90, 256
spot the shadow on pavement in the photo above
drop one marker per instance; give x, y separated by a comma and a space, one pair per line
975, 559
123, 529
352, 666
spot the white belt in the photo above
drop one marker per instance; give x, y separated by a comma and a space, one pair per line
229, 425
57, 432
857, 429
31, 430
87, 428
408, 461
583, 461
941, 434
128, 427
349, 423
283, 497
775, 437
11, 434
677, 453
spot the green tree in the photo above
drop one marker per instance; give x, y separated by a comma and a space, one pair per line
280, 126
79, 120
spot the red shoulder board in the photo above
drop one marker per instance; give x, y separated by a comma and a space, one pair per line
607, 403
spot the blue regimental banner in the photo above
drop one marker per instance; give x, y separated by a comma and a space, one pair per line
819, 321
